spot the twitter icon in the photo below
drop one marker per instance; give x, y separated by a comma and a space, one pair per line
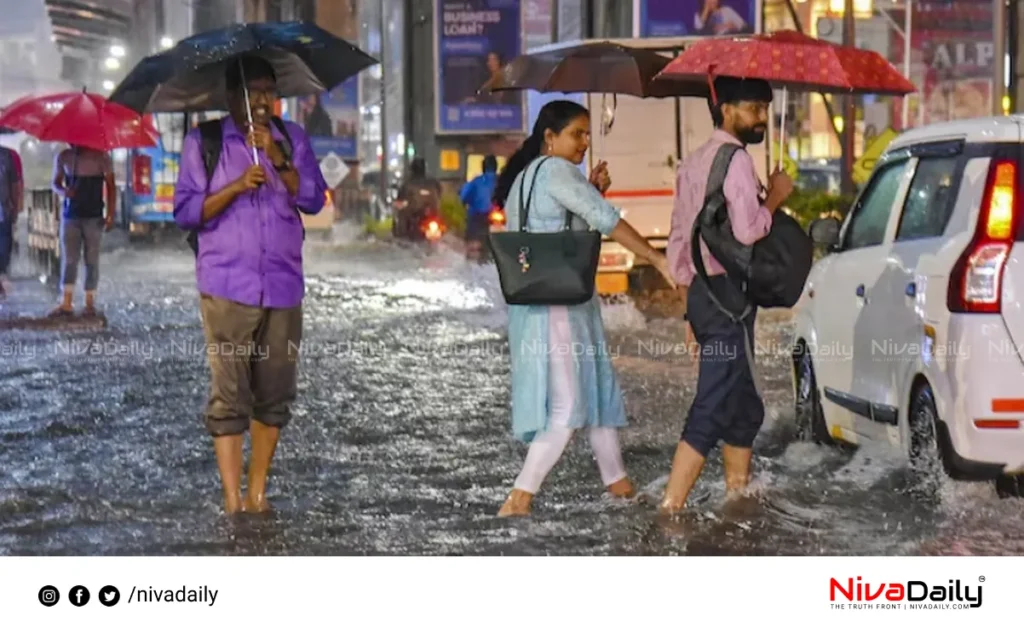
109, 596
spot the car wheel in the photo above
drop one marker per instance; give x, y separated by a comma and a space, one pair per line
810, 418
926, 455
1010, 486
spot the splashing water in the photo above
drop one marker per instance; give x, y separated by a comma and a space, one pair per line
400, 444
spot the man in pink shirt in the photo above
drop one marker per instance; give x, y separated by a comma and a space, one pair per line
727, 406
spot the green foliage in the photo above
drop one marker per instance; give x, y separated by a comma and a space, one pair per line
453, 213
380, 229
807, 206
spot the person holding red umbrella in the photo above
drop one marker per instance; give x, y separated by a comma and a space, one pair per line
80, 175
92, 126
727, 406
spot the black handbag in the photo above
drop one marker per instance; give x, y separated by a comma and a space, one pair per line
547, 268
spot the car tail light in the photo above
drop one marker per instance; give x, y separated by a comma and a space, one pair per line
142, 175
614, 259
997, 424
975, 284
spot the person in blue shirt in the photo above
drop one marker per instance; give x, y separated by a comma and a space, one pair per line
477, 196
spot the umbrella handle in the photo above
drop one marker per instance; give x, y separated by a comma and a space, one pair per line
782, 125
248, 110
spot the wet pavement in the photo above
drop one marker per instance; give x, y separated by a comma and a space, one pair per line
401, 441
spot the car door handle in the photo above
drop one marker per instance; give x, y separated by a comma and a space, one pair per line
911, 290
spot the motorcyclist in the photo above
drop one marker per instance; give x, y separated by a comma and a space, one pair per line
416, 195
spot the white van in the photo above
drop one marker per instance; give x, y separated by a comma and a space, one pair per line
643, 148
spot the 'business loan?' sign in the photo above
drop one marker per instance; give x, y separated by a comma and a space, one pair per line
474, 39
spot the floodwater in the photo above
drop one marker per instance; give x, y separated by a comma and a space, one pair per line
401, 440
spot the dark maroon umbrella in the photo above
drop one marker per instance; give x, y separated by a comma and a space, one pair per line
597, 67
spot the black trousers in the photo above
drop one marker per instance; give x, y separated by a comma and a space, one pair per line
727, 406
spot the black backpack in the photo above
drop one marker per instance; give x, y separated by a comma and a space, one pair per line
212, 135
773, 270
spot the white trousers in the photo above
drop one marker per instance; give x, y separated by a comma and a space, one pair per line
547, 447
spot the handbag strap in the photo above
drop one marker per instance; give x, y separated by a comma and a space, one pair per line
525, 209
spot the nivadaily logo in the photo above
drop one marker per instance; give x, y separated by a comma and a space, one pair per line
912, 594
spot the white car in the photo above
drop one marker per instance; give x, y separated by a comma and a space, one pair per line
911, 328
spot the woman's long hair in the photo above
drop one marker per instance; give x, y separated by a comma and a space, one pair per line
553, 116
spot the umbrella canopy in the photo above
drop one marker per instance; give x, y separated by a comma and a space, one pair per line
597, 67
80, 118
788, 59
307, 60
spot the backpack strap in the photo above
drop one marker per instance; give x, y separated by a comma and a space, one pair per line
211, 137
714, 203
211, 134
286, 143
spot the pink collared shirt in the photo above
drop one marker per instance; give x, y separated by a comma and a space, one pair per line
750, 219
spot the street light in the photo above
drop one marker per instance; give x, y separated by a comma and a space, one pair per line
166, 42
112, 63
117, 50
108, 85
861, 8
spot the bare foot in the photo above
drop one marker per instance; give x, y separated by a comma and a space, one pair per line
671, 506
736, 493
256, 504
517, 504
622, 488
233, 503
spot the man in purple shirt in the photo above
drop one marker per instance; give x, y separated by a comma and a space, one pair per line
249, 273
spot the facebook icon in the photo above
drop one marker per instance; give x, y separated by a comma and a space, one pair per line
79, 596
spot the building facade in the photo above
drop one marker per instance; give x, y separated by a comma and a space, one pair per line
396, 107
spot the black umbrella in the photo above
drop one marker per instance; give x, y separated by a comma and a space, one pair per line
190, 77
597, 67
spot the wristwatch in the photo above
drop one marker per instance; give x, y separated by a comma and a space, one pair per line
285, 166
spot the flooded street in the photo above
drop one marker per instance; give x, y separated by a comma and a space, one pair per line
401, 441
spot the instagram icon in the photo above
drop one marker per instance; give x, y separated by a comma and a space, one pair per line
49, 596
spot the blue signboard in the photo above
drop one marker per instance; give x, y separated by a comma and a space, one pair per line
473, 40
688, 18
331, 120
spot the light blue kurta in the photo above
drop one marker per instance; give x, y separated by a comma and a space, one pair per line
598, 397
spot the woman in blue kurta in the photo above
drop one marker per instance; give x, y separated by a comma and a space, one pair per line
562, 376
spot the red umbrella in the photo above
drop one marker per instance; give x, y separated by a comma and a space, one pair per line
788, 59
80, 118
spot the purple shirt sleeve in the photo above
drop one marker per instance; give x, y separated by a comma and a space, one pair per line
310, 197
749, 218
190, 191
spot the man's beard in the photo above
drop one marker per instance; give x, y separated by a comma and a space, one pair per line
751, 136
